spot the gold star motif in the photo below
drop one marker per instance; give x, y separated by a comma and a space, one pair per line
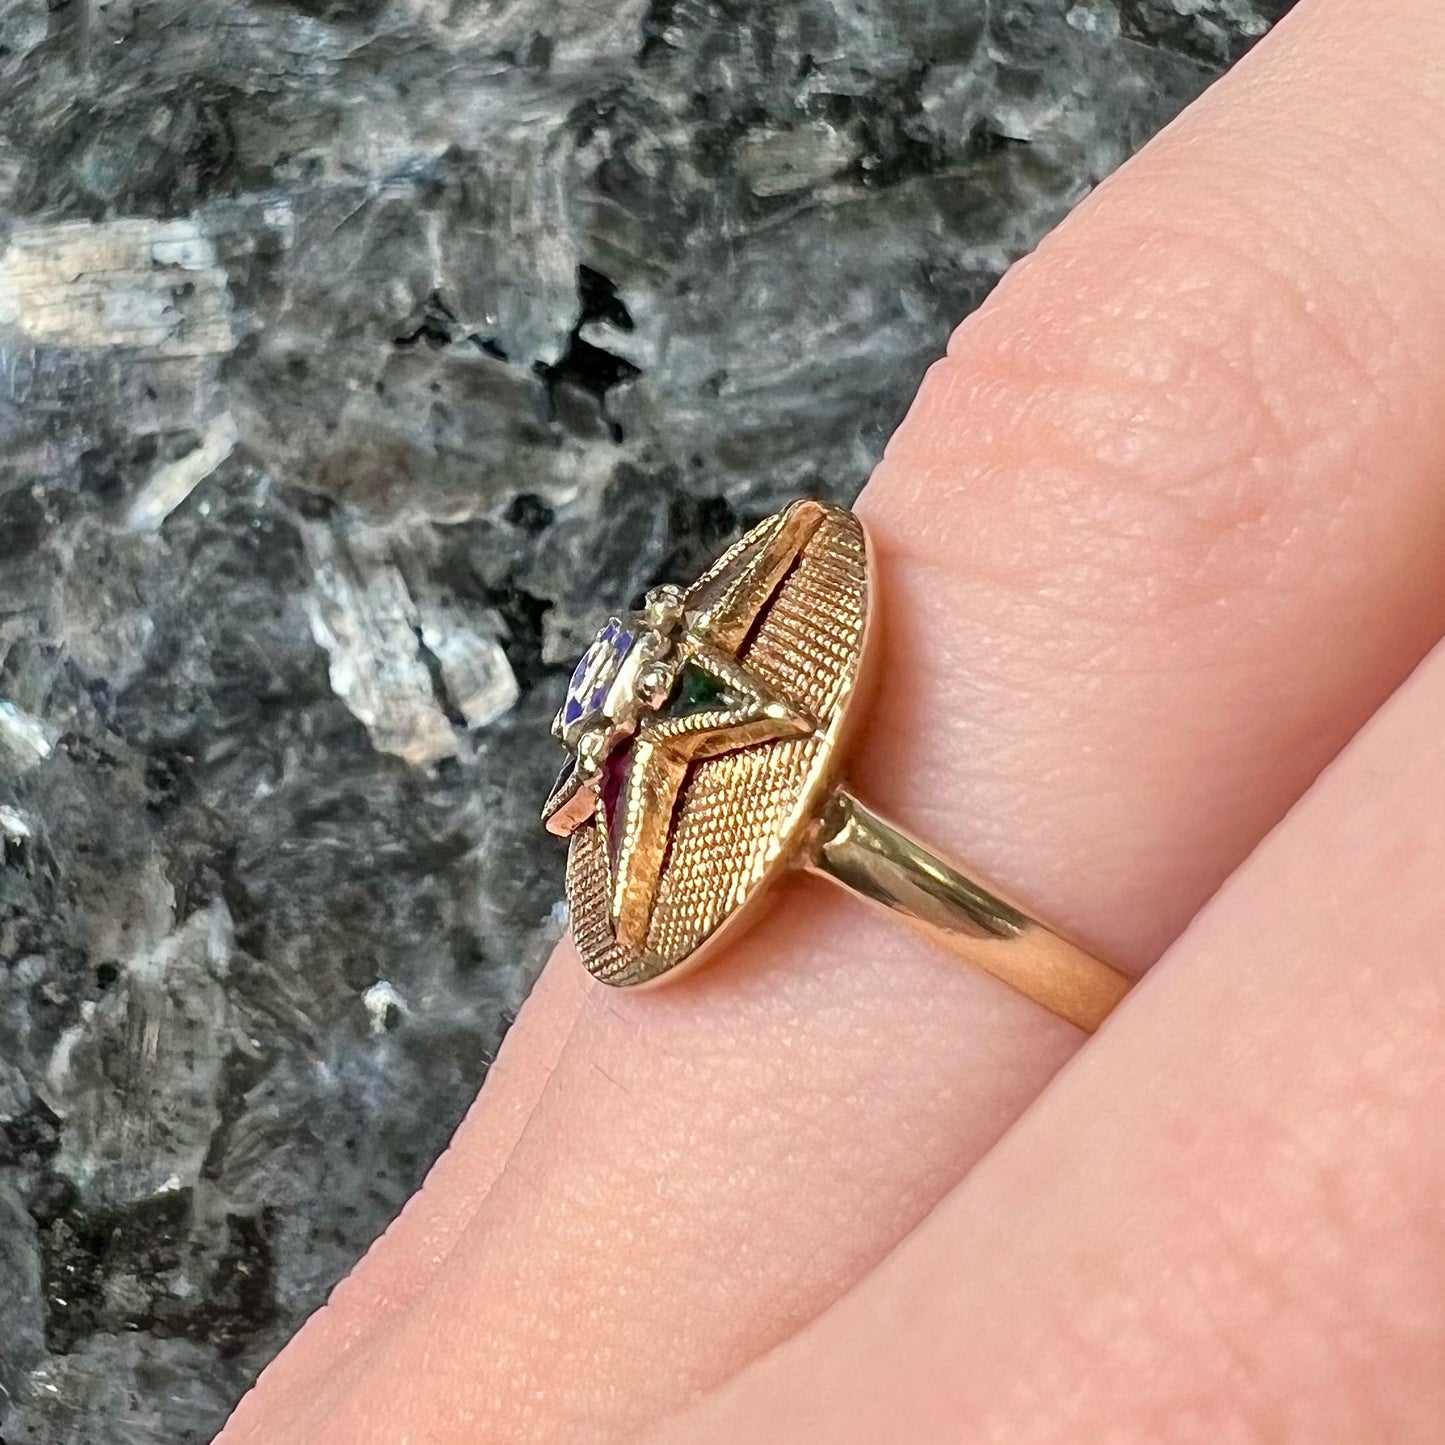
630, 787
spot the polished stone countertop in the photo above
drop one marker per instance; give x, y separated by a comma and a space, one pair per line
353, 358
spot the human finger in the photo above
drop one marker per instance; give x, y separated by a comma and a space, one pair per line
1155, 539
397, 1269
1249, 1248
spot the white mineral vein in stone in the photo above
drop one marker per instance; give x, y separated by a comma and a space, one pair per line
58, 1067
776, 162
478, 678
363, 616
14, 824
169, 485
151, 1050
582, 36
150, 287
28, 739
379, 1000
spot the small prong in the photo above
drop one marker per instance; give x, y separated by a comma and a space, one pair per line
775, 709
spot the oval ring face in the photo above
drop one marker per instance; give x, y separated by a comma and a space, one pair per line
702, 794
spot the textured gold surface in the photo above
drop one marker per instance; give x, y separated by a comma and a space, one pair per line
722, 799
739, 816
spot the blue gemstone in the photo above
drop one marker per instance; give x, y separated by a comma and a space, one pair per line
594, 676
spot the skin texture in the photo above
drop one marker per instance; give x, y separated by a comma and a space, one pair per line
1156, 539
1253, 1248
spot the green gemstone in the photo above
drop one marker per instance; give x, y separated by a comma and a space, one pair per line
699, 691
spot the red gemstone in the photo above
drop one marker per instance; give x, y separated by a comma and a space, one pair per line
615, 773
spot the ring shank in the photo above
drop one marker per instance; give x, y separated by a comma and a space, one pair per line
855, 848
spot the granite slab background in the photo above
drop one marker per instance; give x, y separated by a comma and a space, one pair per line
353, 358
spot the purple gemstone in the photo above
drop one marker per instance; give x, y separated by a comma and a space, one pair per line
594, 675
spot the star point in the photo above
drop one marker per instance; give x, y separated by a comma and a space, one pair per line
658, 694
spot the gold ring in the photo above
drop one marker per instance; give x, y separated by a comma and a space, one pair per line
706, 736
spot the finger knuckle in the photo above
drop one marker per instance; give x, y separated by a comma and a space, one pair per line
1146, 434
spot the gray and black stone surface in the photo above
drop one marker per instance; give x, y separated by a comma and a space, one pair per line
353, 358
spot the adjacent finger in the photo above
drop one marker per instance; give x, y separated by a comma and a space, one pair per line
1155, 539
1250, 1247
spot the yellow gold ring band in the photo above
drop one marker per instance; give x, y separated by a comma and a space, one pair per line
705, 737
